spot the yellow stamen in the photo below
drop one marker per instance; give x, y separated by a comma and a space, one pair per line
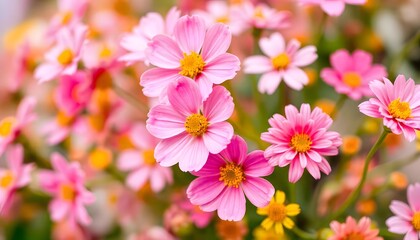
281, 61
64, 120
277, 212
6, 126
196, 124
352, 79
355, 236
66, 17
100, 158
232, 175
416, 221
399, 109
301, 142
67, 192
258, 13
192, 65
105, 53
7, 179
222, 19
65, 57
149, 157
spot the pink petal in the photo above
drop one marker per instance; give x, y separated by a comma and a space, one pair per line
413, 195
295, 78
369, 109
204, 190
190, 33
222, 68
341, 61
155, 81
185, 96
138, 178
305, 56
256, 165
313, 169
164, 122
218, 136
257, 64
157, 180
295, 171
164, 52
212, 166
258, 190
130, 159
216, 42
269, 82
362, 61
333, 8
59, 209
402, 210
232, 205
236, 151
398, 225
82, 215
47, 71
167, 152
194, 156
14, 157
205, 85
272, 46
219, 105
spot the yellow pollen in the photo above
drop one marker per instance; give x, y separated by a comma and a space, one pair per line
258, 13
192, 65
196, 124
352, 79
7, 179
105, 53
149, 157
232, 175
222, 19
281, 61
65, 57
277, 212
6, 126
399, 109
100, 158
301, 142
416, 221
67, 192
64, 120
66, 17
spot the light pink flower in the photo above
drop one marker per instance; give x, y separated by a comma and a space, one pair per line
190, 129
398, 104
149, 26
407, 217
200, 218
227, 177
11, 127
59, 128
63, 58
196, 52
17, 175
354, 230
70, 13
66, 184
351, 74
334, 7
141, 162
101, 54
280, 62
153, 233
302, 140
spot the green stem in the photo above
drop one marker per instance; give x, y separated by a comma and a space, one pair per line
128, 97
302, 234
292, 192
397, 60
338, 105
320, 30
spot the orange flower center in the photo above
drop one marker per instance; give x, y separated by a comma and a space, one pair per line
66, 17
258, 13
7, 179
231, 175
399, 109
277, 212
6, 126
65, 57
105, 53
222, 19
281, 61
192, 65
355, 236
64, 120
301, 142
416, 221
67, 192
352, 79
100, 158
196, 124
149, 157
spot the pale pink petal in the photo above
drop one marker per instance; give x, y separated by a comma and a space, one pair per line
295, 171
14, 157
138, 178
218, 136
164, 52
272, 46
258, 190
369, 109
305, 56
269, 82
313, 169
333, 8
59, 209
171, 19
411, 235
194, 156
402, 210
205, 85
184, 96
219, 105
295, 78
129, 160
222, 68
81, 214
47, 71
190, 33
232, 205
217, 41
155, 81
164, 122
257, 64
413, 196
167, 152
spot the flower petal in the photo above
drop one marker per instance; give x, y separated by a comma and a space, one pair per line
219, 105
190, 33
258, 190
216, 42
218, 136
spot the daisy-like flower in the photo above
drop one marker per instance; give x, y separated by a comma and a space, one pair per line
196, 52
280, 62
334, 7
278, 213
354, 230
70, 13
141, 162
60, 127
398, 104
66, 184
407, 217
301, 139
63, 58
351, 74
227, 177
190, 129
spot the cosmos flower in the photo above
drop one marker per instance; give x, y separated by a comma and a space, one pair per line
70, 13
354, 230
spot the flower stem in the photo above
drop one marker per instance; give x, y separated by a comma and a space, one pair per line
302, 234
338, 105
397, 60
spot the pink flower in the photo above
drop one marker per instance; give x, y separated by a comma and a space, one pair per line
227, 177
334, 7
58, 129
280, 62
190, 129
141, 162
17, 175
200, 218
354, 230
63, 58
301, 140
196, 52
70, 13
398, 104
351, 74
66, 184
149, 26
407, 217
11, 127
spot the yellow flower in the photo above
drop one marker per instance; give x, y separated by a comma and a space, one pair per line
262, 234
278, 214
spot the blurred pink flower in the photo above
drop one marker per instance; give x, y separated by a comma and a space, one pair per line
190, 129
66, 184
407, 217
153, 233
351, 74
354, 230
196, 52
301, 140
398, 104
280, 62
199, 217
101, 54
59, 128
227, 177
70, 13
334, 7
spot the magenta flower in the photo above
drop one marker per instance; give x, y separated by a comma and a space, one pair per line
141, 162
280, 62
351, 74
190, 129
66, 184
354, 230
407, 217
301, 140
227, 177
398, 104
334, 7
17, 175
196, 52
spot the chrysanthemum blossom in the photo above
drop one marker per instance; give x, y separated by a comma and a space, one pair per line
17, 175
63, 58
196, 52
351, 73
149, 26
354, 230
397, 104
227, 177
66, 185
301, 140
334, 7
407, 217
190, 129
281, 62
141, 162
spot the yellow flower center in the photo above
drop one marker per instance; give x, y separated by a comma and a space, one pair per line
67, 192
232, 175
258, 13
399, 109
105, 52
64, 120
222, 19
416, 221
7, 179
277, 212
301, 142
66, 17
149, 157
281, 61
196, 124
65, 57
6, 126
352, 79
97, 122
354, 236
192, 65
100, 158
